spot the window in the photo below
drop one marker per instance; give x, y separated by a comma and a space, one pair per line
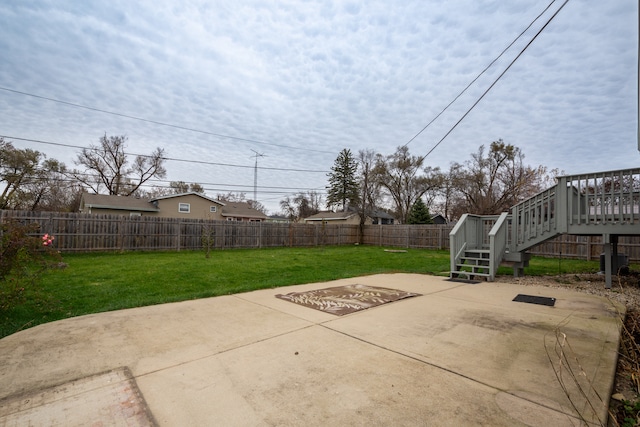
184, 207
213, 209
134, 214
230, 218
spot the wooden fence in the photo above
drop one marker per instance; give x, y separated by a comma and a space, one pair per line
76, 232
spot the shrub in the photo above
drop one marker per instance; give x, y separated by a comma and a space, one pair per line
23, 258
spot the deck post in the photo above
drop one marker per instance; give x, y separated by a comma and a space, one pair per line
606, 239
562, 209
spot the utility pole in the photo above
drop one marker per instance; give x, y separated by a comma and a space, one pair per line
255, 175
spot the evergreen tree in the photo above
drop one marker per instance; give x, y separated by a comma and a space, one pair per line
343, 185
419, 213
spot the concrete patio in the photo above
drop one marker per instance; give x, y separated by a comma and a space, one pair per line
459, 354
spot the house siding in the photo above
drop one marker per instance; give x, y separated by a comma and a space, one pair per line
199, 208
127, 212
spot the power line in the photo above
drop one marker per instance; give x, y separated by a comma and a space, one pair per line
166, 158
497, 79
479, 75
159, 123
264, 189
157, 183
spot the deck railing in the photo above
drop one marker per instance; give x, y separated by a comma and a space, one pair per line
602, 197
602, 203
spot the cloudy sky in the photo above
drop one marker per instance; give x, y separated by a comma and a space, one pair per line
214, 82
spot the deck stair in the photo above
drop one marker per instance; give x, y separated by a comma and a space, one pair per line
602, 203
474, 263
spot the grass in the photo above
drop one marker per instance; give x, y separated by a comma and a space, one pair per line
94, 283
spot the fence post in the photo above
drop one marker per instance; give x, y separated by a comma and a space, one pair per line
406, 227
121, 234
178, 233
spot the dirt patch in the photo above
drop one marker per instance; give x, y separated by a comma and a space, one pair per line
624, 407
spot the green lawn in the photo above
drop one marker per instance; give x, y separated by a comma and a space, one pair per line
110, 281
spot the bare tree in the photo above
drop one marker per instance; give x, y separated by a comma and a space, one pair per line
449, 199
50, 189
232, 197
302, 205
107, 166
370, 196
405, 178
495, 180
17, 168
30, 181
242, 197
177, 187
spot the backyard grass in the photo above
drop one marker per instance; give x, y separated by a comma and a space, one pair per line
100, 282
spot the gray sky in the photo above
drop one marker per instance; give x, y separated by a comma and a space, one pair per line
298, 81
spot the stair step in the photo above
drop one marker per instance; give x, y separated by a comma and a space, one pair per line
474, 263
478, 254
462, 264
469, 274
475, 260
476, 270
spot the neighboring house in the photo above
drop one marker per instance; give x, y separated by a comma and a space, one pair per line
184, 205
439, 219
116, 205
348, 217
278, 219
381, 217
188, 205
241, 211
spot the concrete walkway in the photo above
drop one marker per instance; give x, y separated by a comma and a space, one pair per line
460, 354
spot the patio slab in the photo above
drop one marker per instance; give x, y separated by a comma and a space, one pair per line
459, 354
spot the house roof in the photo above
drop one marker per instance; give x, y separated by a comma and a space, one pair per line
381, 214
330, 216
103, 201
191, 193
241, 210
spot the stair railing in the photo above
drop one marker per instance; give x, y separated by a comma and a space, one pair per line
465, 234
471, 232
535, 219
498, 243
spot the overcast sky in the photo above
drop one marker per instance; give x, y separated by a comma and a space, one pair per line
298, 81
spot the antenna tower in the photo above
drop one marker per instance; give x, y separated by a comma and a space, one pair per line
255, 175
